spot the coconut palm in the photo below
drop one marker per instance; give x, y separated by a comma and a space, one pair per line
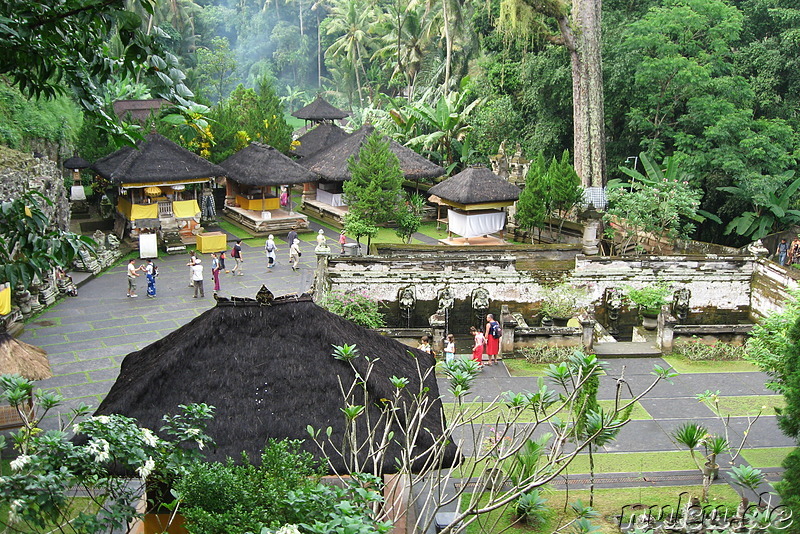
352, 21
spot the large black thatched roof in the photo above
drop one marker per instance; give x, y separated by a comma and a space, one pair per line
320, 110
475, 185
319, 138
156, 159
269, 371
76, 162
259, 164
331, 163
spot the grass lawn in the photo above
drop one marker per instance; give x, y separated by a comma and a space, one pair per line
608, 502
521, 367
686, 366
499, 412
429, 229
77, 504
293, 122
743, 405
613, 462
766, 457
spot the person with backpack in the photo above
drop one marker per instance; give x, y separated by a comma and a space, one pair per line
493, 334
222, 262
270, 250
236, 254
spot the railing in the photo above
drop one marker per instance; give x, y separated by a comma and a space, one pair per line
165, 209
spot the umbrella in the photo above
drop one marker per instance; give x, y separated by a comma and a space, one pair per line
152, 191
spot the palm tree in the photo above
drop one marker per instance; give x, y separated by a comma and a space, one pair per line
406, 41
352, 20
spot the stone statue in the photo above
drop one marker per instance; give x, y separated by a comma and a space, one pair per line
99, 238
613, 301
446, 300
480, 299
112, 242
407, 298
23, 299
680, 303
322, 247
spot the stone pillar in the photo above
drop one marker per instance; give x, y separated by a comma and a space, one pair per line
666, 330
587, 326
437, 322
590, 238
322, 283
509, 325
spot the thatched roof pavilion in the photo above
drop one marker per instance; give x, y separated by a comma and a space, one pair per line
474, 188
20, 358
320, 110
261, 165
75, 163
267, 367
139, 111
331, 163
154, 161
318, 138
475, 198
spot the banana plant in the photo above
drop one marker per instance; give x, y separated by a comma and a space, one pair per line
770, 210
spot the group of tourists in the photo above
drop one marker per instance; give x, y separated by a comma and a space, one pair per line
788, 253
218, 266
484, 341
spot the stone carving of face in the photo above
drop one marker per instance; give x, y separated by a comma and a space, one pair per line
406, 298
480, 299
446, 299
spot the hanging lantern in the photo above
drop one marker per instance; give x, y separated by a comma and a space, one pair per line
152, 191
179, 187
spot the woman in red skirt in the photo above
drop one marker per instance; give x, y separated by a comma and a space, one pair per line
477, 348
492, 343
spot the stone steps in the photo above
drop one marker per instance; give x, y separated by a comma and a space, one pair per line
626, 349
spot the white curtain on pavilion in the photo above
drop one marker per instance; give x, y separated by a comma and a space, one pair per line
333, 199
476, 224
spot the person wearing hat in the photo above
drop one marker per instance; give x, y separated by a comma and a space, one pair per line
270, 250
782, 251
197, 278
294, 254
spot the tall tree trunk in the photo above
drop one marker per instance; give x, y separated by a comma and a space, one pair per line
319, 55
448, 47
581, 36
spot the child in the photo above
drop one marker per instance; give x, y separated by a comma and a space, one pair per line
477, 348
425, 344
449, 348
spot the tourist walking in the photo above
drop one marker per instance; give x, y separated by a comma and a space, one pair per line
192, 257
291, 236
270, 250
215, 268
492, 335
782, 251
449, 348
237, 257
477, 347
342, 240
294, 254
222, 262
133, 273
197, 278
151, 272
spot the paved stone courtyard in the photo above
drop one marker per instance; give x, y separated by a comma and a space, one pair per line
87, 338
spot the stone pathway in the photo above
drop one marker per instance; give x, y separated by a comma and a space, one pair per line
87, 338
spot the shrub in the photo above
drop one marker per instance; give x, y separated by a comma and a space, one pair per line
699, 351
532, 508
359, 308
546, 354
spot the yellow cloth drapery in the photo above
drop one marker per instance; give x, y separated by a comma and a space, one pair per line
134, 212
5, 299
185, 209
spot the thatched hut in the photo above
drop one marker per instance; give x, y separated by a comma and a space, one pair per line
255, 174
476, 199
152, 179
20, 358
75, 164
316, 139
319, 111
331, 164
267, 367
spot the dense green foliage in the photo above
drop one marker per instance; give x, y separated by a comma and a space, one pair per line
374, 189
21, 120
359, 308
284, 489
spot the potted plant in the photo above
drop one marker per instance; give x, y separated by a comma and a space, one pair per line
649, 300
562, 302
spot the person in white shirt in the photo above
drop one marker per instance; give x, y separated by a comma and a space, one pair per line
133, 273
197, 278
294, 254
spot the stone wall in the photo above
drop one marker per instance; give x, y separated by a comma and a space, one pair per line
721, 282
770, 287
20, 172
